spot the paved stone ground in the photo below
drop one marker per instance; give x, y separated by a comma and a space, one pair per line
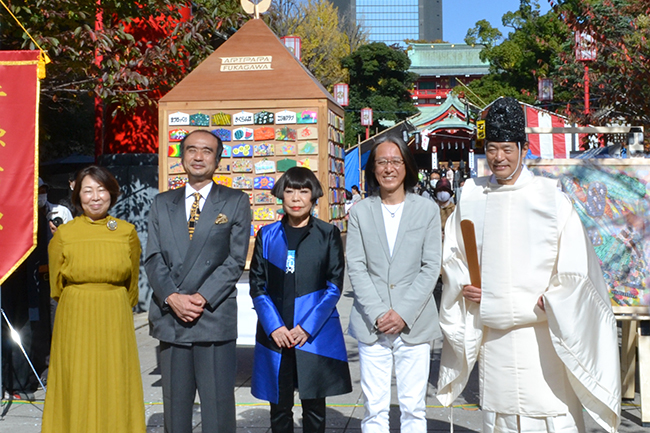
344, 413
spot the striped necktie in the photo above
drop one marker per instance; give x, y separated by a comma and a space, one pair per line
194, 214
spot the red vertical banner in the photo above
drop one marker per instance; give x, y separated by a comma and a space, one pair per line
19, 96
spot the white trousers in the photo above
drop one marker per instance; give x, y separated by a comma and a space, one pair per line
411, 375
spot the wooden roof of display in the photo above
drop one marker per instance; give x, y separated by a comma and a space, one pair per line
288, 78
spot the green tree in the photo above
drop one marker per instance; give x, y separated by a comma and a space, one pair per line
484, 34
124, 53
379, 79
531, 51
326, 39
620, 77
119, 51
323, 44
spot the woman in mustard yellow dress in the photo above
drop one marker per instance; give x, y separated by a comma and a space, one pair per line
94, 382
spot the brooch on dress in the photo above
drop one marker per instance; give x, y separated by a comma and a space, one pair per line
112, 225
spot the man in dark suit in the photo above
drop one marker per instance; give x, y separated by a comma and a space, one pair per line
196, 251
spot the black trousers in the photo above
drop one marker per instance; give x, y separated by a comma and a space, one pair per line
313, 410
209, 367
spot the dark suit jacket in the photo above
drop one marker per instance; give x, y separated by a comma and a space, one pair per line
210, 264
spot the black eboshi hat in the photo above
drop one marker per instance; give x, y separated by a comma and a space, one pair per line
505, 121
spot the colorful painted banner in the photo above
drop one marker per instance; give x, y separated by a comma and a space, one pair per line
19, 97
612, 199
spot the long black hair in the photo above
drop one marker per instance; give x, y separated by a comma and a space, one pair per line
411, 178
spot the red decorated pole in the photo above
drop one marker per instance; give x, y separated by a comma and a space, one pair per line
366, 120
586, 90
585, 51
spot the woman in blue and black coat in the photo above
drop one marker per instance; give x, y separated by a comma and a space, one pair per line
296, 278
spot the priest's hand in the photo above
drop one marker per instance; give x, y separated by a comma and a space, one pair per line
472, 293
540, 303
390, 323
283, 338
188, 308
300, 336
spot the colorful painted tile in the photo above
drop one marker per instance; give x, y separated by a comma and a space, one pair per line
308, 133
242, 166
242, 151
265, 166
265, 213
308, 116
264, 197
176, 182
256, 228
199, 119
307, 148
264, 182
223, 167
264, 133
242, 118
227, 151
243, 134
175, 166
223, 180
310, 163
264, 118
285, 134
285, 164
285, 149
263, 149
174, 150
242, 182
221, 119
178, 119
285, 117
177, 134
223, 133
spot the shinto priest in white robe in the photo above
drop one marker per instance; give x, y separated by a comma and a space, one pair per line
537, 368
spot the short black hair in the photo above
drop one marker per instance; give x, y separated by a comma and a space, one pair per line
219, 142
298, 178
410, 180
103, 177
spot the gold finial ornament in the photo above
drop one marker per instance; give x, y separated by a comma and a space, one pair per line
255, 7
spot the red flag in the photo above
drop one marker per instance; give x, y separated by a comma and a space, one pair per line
19, 96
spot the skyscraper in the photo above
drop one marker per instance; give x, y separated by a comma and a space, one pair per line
393, 21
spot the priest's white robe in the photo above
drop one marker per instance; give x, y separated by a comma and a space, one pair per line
534, 365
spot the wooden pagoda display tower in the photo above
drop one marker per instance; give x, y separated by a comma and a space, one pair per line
271, 114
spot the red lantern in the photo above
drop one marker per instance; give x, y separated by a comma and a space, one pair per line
293, 43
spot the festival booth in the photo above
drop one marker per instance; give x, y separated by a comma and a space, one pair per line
271, 114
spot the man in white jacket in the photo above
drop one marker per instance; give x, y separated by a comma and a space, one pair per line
541, 324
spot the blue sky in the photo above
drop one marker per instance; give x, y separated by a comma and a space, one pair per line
458, 16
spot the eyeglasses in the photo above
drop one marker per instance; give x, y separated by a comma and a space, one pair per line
383, 163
